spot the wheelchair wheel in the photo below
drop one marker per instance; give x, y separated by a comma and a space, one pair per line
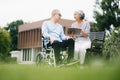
52, 58
40, 59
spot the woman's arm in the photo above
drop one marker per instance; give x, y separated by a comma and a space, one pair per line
83, 33
86, 30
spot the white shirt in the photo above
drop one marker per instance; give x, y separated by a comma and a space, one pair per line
85, 26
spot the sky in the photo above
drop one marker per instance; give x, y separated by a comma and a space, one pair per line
35, 10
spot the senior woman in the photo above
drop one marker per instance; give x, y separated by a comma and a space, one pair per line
82, 41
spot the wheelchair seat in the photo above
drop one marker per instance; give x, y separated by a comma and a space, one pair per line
47, 53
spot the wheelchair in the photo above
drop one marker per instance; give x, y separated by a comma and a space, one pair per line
47, 56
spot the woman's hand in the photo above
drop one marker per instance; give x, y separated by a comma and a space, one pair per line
83, 33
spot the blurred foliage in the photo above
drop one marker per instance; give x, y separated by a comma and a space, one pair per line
94, 27
5, 42
13, 30
111, 48
8, 60
106, 13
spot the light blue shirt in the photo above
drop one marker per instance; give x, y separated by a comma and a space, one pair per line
53, 29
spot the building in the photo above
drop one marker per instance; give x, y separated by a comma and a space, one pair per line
17, 55
29, 39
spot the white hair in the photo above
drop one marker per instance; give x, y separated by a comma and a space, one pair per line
54, 12
82, 15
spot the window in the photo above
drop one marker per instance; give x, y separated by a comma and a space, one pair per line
27, 54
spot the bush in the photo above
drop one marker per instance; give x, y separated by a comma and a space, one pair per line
8, 60
5, 42
111, 46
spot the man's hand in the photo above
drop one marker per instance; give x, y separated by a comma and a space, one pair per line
68, 37
52, 39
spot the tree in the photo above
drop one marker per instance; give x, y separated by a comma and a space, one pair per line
5, 42
106, 13
13, 30
94, 27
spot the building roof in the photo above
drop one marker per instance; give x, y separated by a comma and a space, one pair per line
38, 24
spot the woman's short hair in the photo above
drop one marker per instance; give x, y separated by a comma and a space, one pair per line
82, 14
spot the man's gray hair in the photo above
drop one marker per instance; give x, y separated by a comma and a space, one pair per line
54, 12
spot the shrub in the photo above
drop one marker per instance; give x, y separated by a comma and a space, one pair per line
5, 42
111, 46
8, 60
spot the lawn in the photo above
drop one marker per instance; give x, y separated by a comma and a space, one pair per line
96, 71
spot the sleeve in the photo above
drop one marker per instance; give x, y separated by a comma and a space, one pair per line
87, 27
45, 30
62, 36
72, 25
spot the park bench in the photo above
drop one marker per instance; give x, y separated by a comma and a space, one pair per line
97, 40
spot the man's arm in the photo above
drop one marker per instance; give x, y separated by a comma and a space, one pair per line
63, 37
45, 32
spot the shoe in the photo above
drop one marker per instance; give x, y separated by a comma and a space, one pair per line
81, 66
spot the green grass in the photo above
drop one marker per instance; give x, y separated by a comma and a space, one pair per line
75, 72
95, 68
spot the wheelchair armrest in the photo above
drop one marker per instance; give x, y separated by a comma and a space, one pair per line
45, 38
45, 41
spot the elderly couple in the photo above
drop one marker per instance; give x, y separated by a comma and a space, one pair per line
54, 31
